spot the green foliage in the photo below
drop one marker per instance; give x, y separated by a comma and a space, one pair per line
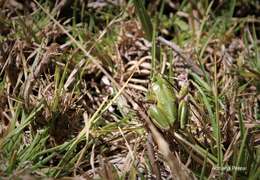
144, 18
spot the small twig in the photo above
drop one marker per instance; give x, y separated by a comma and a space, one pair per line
151, 156
194, 67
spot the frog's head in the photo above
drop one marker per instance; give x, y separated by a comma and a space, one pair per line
159, 88
157, 81
150, 96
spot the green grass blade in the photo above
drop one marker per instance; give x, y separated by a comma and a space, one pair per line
209, 109
144, 18
241, 152
154, 52
202, 174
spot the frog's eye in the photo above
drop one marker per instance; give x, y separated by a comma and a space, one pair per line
156, 88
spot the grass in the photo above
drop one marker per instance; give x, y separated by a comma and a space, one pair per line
75, 78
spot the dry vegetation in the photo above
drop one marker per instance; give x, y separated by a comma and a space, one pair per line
76, 79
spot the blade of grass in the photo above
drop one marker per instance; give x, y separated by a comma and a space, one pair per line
216, 99
145, 19
212, 159
201, 82
209, 109
241, 153
257, 57
154, 54
203, 23
202, 174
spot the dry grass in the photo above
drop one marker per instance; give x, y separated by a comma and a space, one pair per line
75, 76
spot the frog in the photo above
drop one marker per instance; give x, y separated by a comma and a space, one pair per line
170, 108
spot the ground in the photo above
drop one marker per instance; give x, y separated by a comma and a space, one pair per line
115, 89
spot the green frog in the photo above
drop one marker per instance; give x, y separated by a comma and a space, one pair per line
169, 107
